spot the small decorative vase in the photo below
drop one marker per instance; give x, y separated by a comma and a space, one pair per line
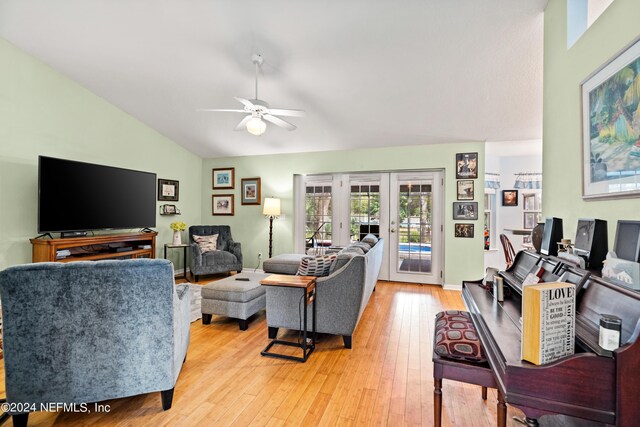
177, 238
536, 236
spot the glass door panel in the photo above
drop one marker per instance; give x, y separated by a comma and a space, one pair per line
318, 214
365, 210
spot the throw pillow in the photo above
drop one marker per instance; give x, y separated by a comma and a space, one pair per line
364, 246
319, 266
352, 249
455, 337
206, 243
370, 239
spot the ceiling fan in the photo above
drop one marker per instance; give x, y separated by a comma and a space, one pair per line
257, 110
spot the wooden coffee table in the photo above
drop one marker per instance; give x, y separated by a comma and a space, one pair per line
308, 286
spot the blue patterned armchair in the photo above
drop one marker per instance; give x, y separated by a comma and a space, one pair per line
91, 331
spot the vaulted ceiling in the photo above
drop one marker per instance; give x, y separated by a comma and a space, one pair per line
369, 73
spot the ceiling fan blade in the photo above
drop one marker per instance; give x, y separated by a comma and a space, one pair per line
278, 121
245, 102
286, 112
243, 123
221, 109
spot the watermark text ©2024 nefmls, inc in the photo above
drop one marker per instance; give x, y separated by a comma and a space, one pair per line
20, 407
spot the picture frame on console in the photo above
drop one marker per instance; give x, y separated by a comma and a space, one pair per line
465, 210
168, 190
251, 193
222, 204
223, 178
611, 127
169, 210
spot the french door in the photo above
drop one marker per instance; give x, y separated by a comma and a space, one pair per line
415, 227
403, 208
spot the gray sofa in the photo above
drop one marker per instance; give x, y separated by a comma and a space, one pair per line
341, 297
228, 256
91, 331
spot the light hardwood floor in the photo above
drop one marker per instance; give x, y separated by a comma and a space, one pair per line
386, 379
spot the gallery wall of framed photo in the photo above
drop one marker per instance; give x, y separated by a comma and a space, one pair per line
465, 209
224, 203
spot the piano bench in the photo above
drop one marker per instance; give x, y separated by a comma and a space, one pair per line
458, 356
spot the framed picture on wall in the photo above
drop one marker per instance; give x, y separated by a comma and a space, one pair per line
223, 178
466, 165
168, 190
222, 204
465, 210
463, 230
610, 128
509, 197
250, 191
465, 190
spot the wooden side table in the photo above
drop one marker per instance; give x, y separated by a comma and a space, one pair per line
308, 286
184, 252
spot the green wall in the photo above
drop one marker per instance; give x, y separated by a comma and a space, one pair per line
463, 257
45, 113
564, 70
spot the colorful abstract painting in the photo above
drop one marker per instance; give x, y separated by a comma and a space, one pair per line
612, 128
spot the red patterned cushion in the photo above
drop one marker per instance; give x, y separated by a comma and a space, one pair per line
456, 338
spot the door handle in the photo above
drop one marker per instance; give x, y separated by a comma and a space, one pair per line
393, 230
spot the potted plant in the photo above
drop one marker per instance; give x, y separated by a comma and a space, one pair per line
177, 228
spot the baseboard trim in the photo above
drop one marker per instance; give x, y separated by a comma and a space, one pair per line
180, 272
448, 287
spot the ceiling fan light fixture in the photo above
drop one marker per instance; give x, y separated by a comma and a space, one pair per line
256, 126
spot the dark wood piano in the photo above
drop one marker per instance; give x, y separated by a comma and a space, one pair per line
593, 384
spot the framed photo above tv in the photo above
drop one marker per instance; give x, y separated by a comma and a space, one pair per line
250, 191
465, 210
509, 197
611, 128
465, 190
168, 190
464, 230
222, 204
466, 165
223, 178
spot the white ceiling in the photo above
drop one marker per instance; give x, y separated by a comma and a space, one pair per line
369, 73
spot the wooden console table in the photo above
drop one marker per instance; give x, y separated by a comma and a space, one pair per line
105, 246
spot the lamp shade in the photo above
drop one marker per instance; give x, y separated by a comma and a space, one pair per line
256, 126
271, 206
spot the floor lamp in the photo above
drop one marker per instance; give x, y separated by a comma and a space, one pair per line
271, 210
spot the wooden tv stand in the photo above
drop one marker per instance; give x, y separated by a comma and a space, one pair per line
95, 247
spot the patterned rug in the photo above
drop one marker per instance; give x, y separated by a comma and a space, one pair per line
196, 299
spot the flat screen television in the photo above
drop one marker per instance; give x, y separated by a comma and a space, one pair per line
627, 243
77, 196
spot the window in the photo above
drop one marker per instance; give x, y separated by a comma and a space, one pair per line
490, 219
580, 15
532, 212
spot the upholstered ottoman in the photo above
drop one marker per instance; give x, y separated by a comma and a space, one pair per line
283, 264
238, 299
